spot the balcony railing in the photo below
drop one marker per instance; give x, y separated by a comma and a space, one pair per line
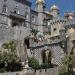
17, 16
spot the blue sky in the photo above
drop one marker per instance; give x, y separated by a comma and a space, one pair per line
64, 5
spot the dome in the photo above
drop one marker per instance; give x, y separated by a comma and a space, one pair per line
40, 1
54, 7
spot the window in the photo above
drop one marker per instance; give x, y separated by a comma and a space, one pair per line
26, 24
26, 15
16, 10
48, 23
43, 56
4, 9
54, 29
26, 42
33, 18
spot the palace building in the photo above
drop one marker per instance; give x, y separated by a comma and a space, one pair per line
41, 34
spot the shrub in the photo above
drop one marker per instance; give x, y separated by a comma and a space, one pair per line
2, 70
9, 62
14, 66
33, 63
2, 65
46, 65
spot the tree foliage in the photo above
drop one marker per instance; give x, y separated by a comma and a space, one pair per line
10, 46
69, 60
68, 65
9, 61
33, 63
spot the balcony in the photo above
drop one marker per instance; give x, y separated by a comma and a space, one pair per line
17, 16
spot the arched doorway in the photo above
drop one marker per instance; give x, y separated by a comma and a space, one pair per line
49, 57
43, 56
26, 42
46, 56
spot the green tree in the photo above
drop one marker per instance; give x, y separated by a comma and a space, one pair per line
69, 63
9, 59
10, 46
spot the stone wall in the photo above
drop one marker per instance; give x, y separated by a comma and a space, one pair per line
52, 71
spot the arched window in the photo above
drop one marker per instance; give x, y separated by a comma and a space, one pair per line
49, 57
46, 56
26, 15
4, 9
43, 56
16, 10
26, 42
33, 18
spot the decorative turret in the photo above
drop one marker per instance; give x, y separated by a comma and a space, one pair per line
54, 10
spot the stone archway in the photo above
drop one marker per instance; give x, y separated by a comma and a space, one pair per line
49, 57
26, 42
46, 56
43, 56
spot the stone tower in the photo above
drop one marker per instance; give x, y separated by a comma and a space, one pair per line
40, 9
